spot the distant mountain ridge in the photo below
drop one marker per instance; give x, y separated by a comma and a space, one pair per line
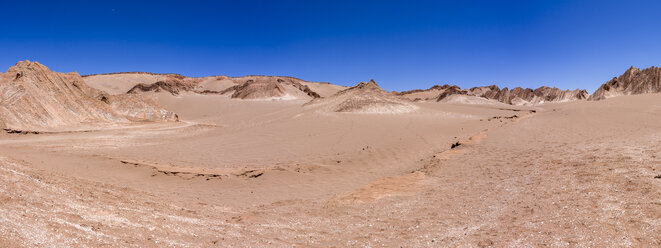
516, 96
633, 81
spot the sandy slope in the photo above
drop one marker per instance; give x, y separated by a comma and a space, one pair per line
363, 98
273, 173
282, 139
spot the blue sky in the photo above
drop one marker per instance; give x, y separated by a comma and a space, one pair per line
401, 44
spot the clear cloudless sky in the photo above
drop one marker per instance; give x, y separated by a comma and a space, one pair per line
401, 44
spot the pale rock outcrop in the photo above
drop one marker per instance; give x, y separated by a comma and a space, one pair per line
34, 98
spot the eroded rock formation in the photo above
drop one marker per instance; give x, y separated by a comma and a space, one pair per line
34, 98
515, 96
632, 82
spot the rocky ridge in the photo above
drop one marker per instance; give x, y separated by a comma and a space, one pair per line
34, 98
515, 96
633, 81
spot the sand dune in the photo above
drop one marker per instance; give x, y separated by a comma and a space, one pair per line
366, 97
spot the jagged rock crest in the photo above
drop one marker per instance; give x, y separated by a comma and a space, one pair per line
632, 82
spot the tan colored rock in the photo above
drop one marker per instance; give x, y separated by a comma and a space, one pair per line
34, 98
518, 95
632, 82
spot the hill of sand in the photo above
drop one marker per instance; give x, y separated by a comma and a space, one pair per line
247, 87
632, 82
365, 97
32, 98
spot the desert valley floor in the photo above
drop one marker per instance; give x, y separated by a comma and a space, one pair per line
275, 173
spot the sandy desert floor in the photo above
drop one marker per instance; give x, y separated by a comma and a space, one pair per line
276, 173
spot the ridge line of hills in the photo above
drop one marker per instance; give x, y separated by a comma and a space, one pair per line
34, 98
182, 76
515, 96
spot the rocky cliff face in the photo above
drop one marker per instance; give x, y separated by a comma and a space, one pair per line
34, 98
633, 81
